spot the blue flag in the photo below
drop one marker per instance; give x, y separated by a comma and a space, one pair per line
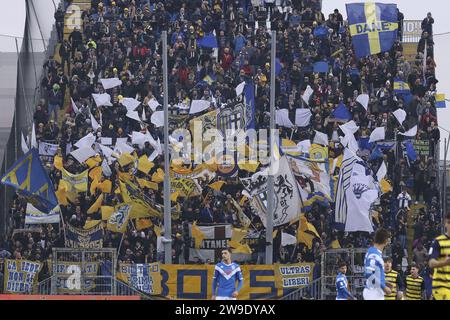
208, 41
342, 112
321, 67
376, 154
373, 27
249, 98
320, 31
410, 151
277, 66
29, 177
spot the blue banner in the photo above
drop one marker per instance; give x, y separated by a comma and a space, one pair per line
373, 27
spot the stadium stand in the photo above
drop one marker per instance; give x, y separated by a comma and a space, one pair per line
213, 47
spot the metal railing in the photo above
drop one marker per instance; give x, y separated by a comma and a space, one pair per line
45, 288
311, 292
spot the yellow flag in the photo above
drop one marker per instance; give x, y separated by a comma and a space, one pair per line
142, 224
385, 186
91, 223
93, 162
274, 233
97, 205
94, 185
77, 182
144, 165
238, 234
157, 230
58, 162
250, 166
242, 201
125, 159
61, 193
118, 220
158, 176
174, 196
95, 173
335, 244
125, 176
243, 248
143, 183
217, 185
105, 186
106, 212
306, 232
198, 235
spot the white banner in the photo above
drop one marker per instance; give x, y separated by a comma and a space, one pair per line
47, 149
35, 216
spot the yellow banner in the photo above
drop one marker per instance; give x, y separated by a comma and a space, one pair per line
195, 282
20, 276
143, 277
185, 187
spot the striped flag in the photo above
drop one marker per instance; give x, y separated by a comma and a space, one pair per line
342, 185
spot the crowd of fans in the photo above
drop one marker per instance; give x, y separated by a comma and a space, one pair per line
123, 39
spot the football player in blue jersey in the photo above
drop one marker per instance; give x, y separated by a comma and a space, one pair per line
226, 273
342, 284
376, 286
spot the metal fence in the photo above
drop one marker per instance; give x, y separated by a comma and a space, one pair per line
354, 257
83, 271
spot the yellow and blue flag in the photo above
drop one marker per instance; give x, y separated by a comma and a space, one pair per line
29, 177
440, 100
373, 27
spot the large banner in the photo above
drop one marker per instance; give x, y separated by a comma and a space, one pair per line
293, 275
78, 182
422, 147
68, 275
81, 238
35, 216
20, 276
143, 277
195, 282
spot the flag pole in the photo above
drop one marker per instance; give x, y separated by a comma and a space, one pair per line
270, 180
167, 204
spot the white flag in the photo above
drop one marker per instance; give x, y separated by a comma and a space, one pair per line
349, 127
153, 104
33, 137
199, 106
360, 196
343, 184
363, 99
410, 133
377, 134
302, 117
24, 146
304, 146
110, 83
400, 114
86, 141
320, 138
287, 239
143, 117
381, 172
94, 123
282, 118
157, 118
103, 99
130, 103
83, 154
240, 88
107, 152
106, 169
307, 94
133, 115
74, 107
349, 141
123, 148
106, 141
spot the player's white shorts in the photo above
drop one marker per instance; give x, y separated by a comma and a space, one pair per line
225, 298
373, 294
